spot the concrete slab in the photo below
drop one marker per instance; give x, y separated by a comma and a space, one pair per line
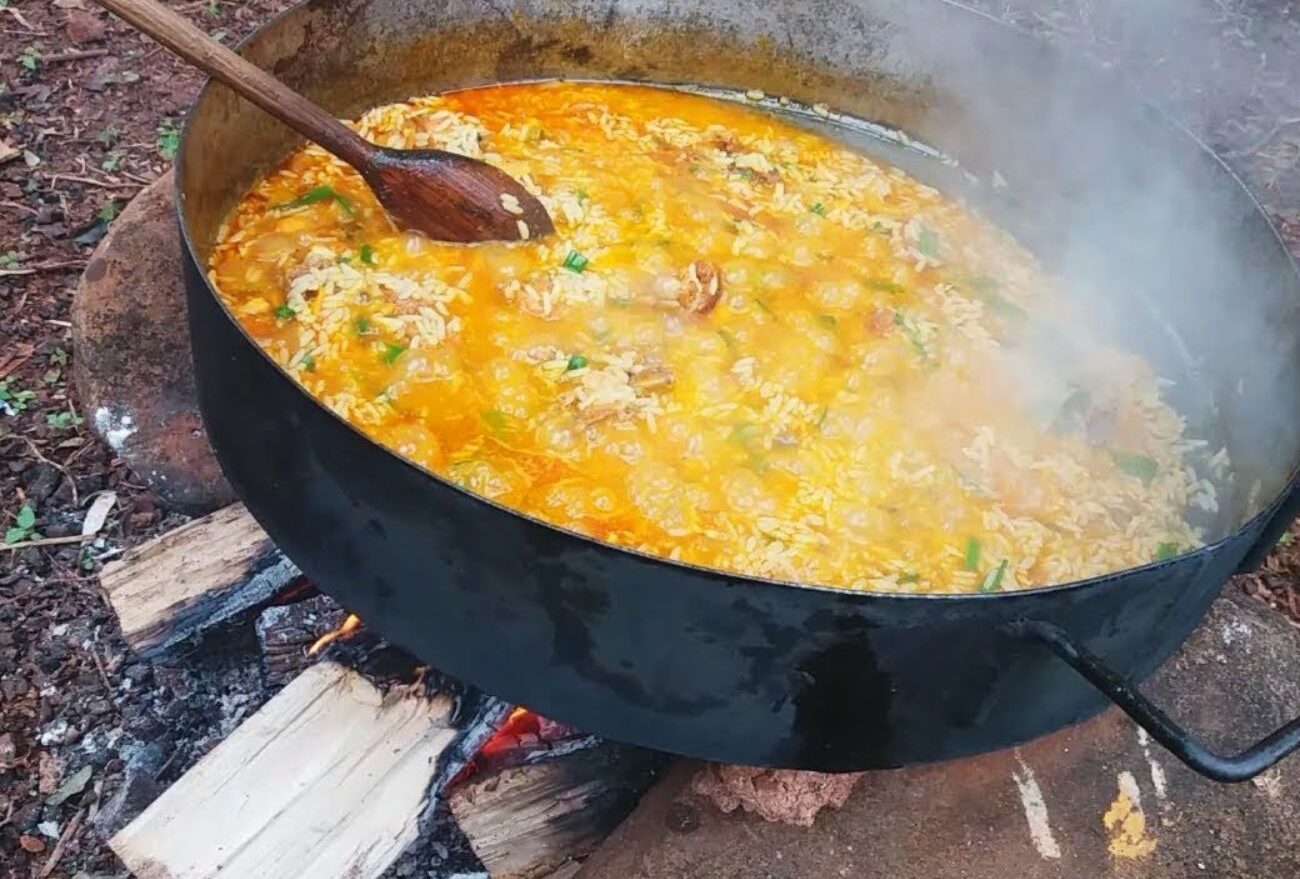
1096, 800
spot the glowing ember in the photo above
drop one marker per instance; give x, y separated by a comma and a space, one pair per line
348, 627
522, 726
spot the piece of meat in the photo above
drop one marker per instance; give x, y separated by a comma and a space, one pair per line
880, 320
656, 377
782, 795
701, 287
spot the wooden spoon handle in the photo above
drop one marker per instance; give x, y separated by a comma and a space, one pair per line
253, 83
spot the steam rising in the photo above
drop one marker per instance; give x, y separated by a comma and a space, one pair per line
1164, 254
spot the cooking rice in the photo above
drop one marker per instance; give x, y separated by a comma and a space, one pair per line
746, 347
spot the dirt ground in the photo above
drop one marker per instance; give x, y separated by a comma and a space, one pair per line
89, 114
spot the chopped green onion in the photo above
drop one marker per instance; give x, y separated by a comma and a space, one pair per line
884, 286
575, 261
728, 338
972, 553
1141, 466
818, 208
284, 312
993, 579
368, 255
910, 577
744, 432
308, 362
312, 196
927, 242
577, 361
913, 333
1166, 551
582, 195
829, 321
392, 352
362, 325
763, 305
344, 260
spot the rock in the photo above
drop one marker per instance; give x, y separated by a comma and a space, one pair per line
133, 368
83, 26
136, 791
7, 748
41, 481
49, 773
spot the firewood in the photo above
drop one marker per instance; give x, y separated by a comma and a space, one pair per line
176, 585
528, 820
330, 778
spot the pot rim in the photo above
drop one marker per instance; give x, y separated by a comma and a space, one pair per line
1290, 486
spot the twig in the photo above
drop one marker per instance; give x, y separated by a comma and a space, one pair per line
99, 667
49, 541
18, 207
24, 22
73, 826
65, 266
73, 56
136, 177
90, 181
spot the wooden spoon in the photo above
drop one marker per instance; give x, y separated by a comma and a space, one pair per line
444, 195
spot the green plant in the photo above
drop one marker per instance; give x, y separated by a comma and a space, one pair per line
64, 420
59, 356
169, 139
109, 135
108, 213
24, 526
14, 399
112, 161
30, 56
10, 260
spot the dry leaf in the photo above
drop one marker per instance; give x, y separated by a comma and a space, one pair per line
97, 515
31, 844
7, 152
70, 4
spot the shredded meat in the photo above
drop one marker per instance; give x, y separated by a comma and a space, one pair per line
701, 287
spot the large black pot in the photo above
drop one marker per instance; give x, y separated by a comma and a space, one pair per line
718, 666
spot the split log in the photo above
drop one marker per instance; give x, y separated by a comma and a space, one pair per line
528, 820
176, 585
330, 778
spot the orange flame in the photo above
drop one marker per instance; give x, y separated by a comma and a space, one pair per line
350, 626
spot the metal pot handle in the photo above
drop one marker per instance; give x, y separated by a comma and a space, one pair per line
1241, 767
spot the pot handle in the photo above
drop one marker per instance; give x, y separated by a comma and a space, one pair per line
1240, 767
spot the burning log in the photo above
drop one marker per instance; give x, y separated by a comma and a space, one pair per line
533, 807
330, 778
179, 584
287, 633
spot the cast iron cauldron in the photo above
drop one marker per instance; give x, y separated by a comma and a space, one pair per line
719, 666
